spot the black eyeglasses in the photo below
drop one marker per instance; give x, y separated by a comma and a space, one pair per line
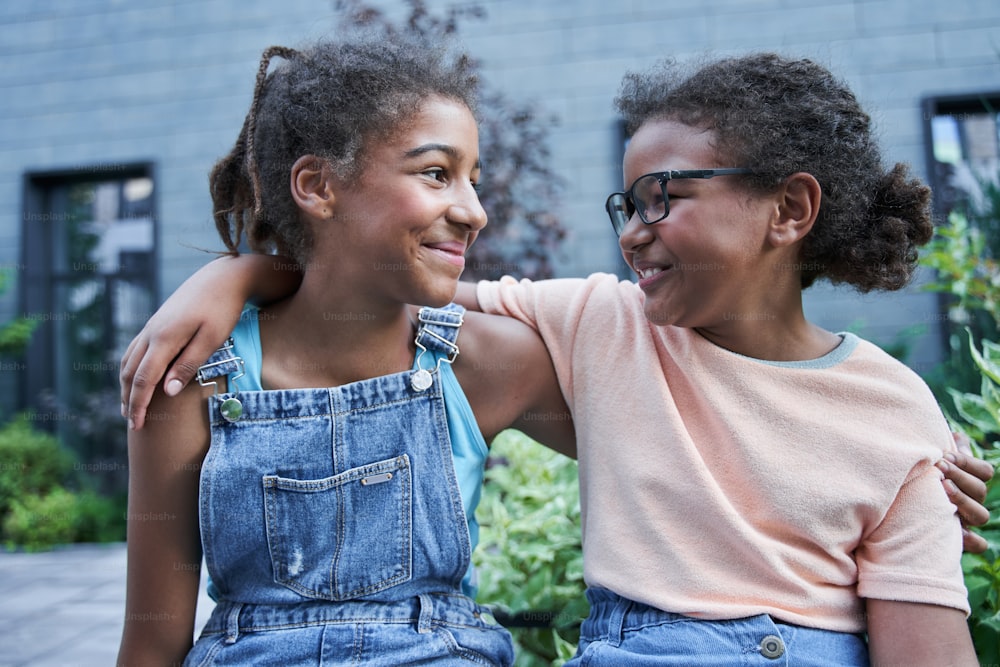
648, 195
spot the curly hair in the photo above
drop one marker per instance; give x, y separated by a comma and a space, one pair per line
330, 100
779, 116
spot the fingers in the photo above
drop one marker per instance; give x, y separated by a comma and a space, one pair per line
962, 442
185, 367
147, 363
967, 492
976, 469
973, 543
126, 373
145, 368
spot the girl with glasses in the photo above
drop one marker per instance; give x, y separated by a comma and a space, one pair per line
755, 489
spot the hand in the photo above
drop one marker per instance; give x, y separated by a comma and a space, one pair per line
194, 322
965, 479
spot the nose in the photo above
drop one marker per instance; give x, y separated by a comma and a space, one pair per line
467, 209
635, 234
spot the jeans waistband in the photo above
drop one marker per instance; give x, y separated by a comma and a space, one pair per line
232, 618
636, 628
610, 610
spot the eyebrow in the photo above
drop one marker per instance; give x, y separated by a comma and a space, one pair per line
447, 149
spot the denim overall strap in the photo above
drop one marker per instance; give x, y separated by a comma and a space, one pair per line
438, 333
222, 362
439, 329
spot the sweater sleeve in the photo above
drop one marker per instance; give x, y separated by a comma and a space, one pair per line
510, 297
914, 553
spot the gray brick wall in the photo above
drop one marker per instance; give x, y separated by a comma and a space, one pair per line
88, 82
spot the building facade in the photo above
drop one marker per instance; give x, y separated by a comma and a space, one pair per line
112, 113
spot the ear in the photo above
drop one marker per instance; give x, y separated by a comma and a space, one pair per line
798, 205
311, 186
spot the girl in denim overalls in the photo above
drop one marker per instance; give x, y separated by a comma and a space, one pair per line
336, 473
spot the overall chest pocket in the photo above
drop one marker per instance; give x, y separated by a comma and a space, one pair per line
344, 536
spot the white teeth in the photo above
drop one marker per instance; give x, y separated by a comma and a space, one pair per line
646, 273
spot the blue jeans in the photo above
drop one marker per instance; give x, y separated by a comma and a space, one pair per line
622, 633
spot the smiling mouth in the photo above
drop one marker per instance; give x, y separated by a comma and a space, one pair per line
453, 253
650, 275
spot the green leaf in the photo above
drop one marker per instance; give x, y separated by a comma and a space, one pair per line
972, 409
987, 366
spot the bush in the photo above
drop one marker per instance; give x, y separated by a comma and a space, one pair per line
43, 502
530, 558
980, 420
31, 462
969, 275
36, 522
964, 255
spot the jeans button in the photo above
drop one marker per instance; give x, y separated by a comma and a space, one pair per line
772, 647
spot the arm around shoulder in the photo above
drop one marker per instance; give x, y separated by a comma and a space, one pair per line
510, 381
194, 321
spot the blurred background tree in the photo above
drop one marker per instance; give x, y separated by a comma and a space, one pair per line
964, 255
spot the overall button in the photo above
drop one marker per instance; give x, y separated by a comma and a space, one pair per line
772, 647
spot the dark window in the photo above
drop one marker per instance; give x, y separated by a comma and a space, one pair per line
88, 253
963, 145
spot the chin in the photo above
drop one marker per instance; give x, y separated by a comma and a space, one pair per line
659, 314
437, 298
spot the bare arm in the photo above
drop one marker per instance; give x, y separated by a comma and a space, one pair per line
508, 377
194, 321
466, 296
917, 635
164, 548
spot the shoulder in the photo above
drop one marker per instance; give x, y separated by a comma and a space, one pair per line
871, 359
485, 335
493, 294
900, 398
506, 373
499, 354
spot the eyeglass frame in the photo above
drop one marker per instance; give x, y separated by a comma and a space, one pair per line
618, 209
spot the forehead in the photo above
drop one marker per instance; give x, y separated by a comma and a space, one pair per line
442, 121
661, 145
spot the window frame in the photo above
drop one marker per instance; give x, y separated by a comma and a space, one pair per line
40, 279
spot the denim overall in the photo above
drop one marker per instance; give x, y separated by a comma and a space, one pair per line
332, 523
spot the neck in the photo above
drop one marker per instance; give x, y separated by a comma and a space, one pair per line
322, 336
775, 331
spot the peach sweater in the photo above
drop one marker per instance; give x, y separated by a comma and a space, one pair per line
719, 486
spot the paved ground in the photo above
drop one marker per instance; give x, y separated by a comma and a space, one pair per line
65, 607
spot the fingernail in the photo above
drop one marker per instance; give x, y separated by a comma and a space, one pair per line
951, 457
942, 465
131, 424
950, 487
123, 411
174, 387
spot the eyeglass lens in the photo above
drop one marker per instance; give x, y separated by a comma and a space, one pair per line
619, 209
650, 197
